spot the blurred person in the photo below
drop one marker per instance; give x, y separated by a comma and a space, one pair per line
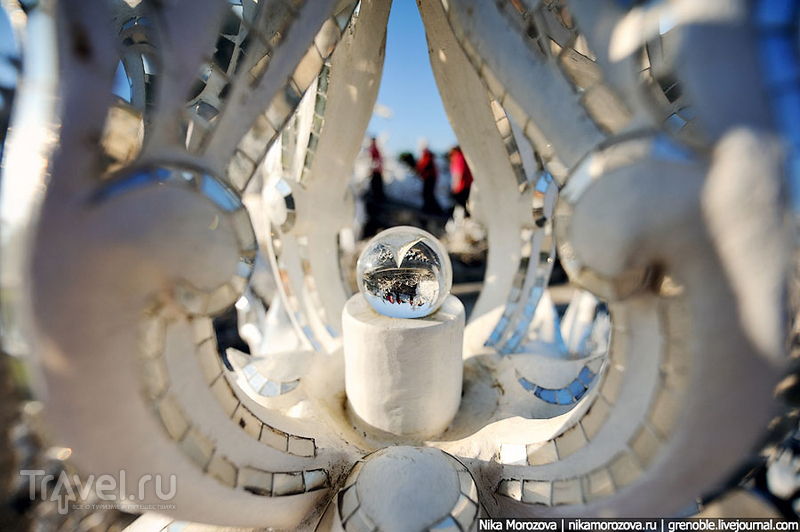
426, 169
375, 196
376, 171
461, 178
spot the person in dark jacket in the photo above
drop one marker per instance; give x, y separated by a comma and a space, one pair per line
375, 196
376, 170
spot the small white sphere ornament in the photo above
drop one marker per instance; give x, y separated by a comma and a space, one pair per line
405, 272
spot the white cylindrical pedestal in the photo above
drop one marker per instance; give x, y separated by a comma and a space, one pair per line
404, 376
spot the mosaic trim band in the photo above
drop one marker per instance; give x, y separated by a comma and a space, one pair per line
463, 515
646, 439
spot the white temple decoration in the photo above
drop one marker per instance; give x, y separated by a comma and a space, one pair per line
650, 147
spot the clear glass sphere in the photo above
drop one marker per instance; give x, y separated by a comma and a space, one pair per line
405, 272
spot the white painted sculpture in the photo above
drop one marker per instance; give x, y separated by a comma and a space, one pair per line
617, 136
403, 376
403, 336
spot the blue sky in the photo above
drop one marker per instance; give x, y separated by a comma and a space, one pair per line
8, 48
408, 88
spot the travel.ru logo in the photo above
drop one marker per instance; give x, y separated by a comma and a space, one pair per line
74, 490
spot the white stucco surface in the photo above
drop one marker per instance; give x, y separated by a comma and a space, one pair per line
404, 376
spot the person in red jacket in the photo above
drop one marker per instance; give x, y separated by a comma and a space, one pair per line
461, 178
426, 169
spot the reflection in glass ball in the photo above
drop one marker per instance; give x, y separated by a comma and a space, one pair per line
404, 272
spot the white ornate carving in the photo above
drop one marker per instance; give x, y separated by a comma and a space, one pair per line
621, 139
